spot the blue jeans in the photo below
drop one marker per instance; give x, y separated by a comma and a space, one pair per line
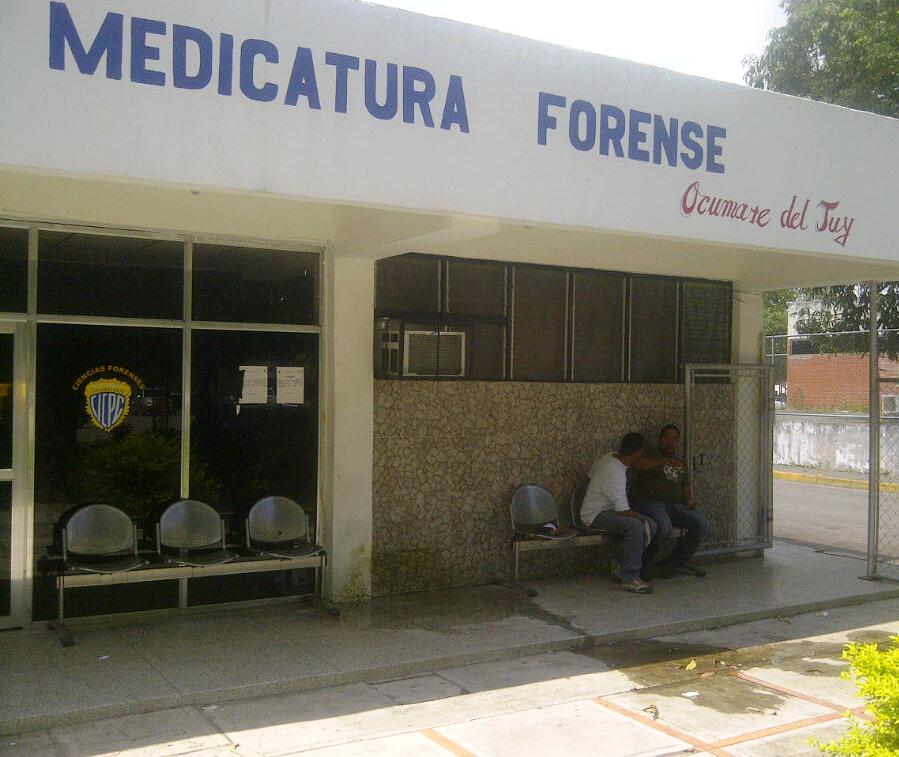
631, 532
668, 515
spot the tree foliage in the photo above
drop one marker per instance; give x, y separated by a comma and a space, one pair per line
847, 309
840, 51
844, 52
776, 309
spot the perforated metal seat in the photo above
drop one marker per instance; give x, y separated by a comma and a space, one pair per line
535, 514
100, 539
279, 527
192, 533
95, 539
535, 517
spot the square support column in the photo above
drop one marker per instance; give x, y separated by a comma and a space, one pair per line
348, 420
747, 328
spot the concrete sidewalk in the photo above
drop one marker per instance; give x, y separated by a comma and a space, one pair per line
759, 689
142, 664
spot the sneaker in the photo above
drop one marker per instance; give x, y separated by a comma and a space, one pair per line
615, 571
637, 586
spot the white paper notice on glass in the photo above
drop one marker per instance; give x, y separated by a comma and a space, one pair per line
255, 385
291, 385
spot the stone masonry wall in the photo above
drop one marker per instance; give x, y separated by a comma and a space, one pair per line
449, 455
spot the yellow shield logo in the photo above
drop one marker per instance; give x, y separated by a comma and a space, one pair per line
108, 402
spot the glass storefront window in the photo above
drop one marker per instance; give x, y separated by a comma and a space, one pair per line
87, 274
13, 270
254, 425
109, 397
254, 433
108, 431
248, 285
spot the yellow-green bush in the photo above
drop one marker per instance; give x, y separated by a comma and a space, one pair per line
876, 673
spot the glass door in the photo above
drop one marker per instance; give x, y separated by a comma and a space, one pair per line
12, 532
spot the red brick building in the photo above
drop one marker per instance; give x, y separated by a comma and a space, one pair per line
835, 382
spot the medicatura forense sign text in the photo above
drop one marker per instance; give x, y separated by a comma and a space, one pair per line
387, 91
359, 101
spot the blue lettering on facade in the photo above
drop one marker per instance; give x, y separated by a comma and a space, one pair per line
302, 80
608, 134
545, 121
202, 42
143, 51
664, 138
637, 135
343, 65
108, 42
689, 133
226, 65
582, 111
454, 110
250, 50
386, 91
413, 96
714, 150
259, 73
387, 110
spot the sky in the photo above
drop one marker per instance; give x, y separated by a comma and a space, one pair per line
707, 38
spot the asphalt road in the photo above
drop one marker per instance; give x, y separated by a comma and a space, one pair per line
829, 515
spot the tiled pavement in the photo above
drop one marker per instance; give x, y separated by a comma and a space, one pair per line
681, 694
449, 660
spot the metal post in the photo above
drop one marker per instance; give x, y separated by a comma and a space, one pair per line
873, 434
688, 423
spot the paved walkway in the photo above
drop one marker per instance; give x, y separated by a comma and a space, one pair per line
761, 689
190, 662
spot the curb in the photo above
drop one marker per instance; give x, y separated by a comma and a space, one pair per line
846, 483
376, 674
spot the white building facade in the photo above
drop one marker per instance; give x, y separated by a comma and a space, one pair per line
194, 200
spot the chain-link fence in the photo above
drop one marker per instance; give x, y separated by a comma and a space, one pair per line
822, 393
886, 546
729, 453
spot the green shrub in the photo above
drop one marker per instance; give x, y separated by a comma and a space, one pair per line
876, 673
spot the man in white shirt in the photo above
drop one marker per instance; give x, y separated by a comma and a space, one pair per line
605, 507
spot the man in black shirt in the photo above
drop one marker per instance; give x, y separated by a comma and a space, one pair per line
663, 493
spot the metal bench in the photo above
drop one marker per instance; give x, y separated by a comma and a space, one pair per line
99, 548
535, 524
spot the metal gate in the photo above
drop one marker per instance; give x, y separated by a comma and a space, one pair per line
729, 431
883, 460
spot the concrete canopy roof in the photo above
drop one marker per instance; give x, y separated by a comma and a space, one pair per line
365, 232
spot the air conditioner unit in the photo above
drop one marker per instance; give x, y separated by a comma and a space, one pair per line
426, 352
889, 403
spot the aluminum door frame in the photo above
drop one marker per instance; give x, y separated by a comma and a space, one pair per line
20, 588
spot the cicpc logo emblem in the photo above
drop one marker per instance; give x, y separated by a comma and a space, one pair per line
108, 402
